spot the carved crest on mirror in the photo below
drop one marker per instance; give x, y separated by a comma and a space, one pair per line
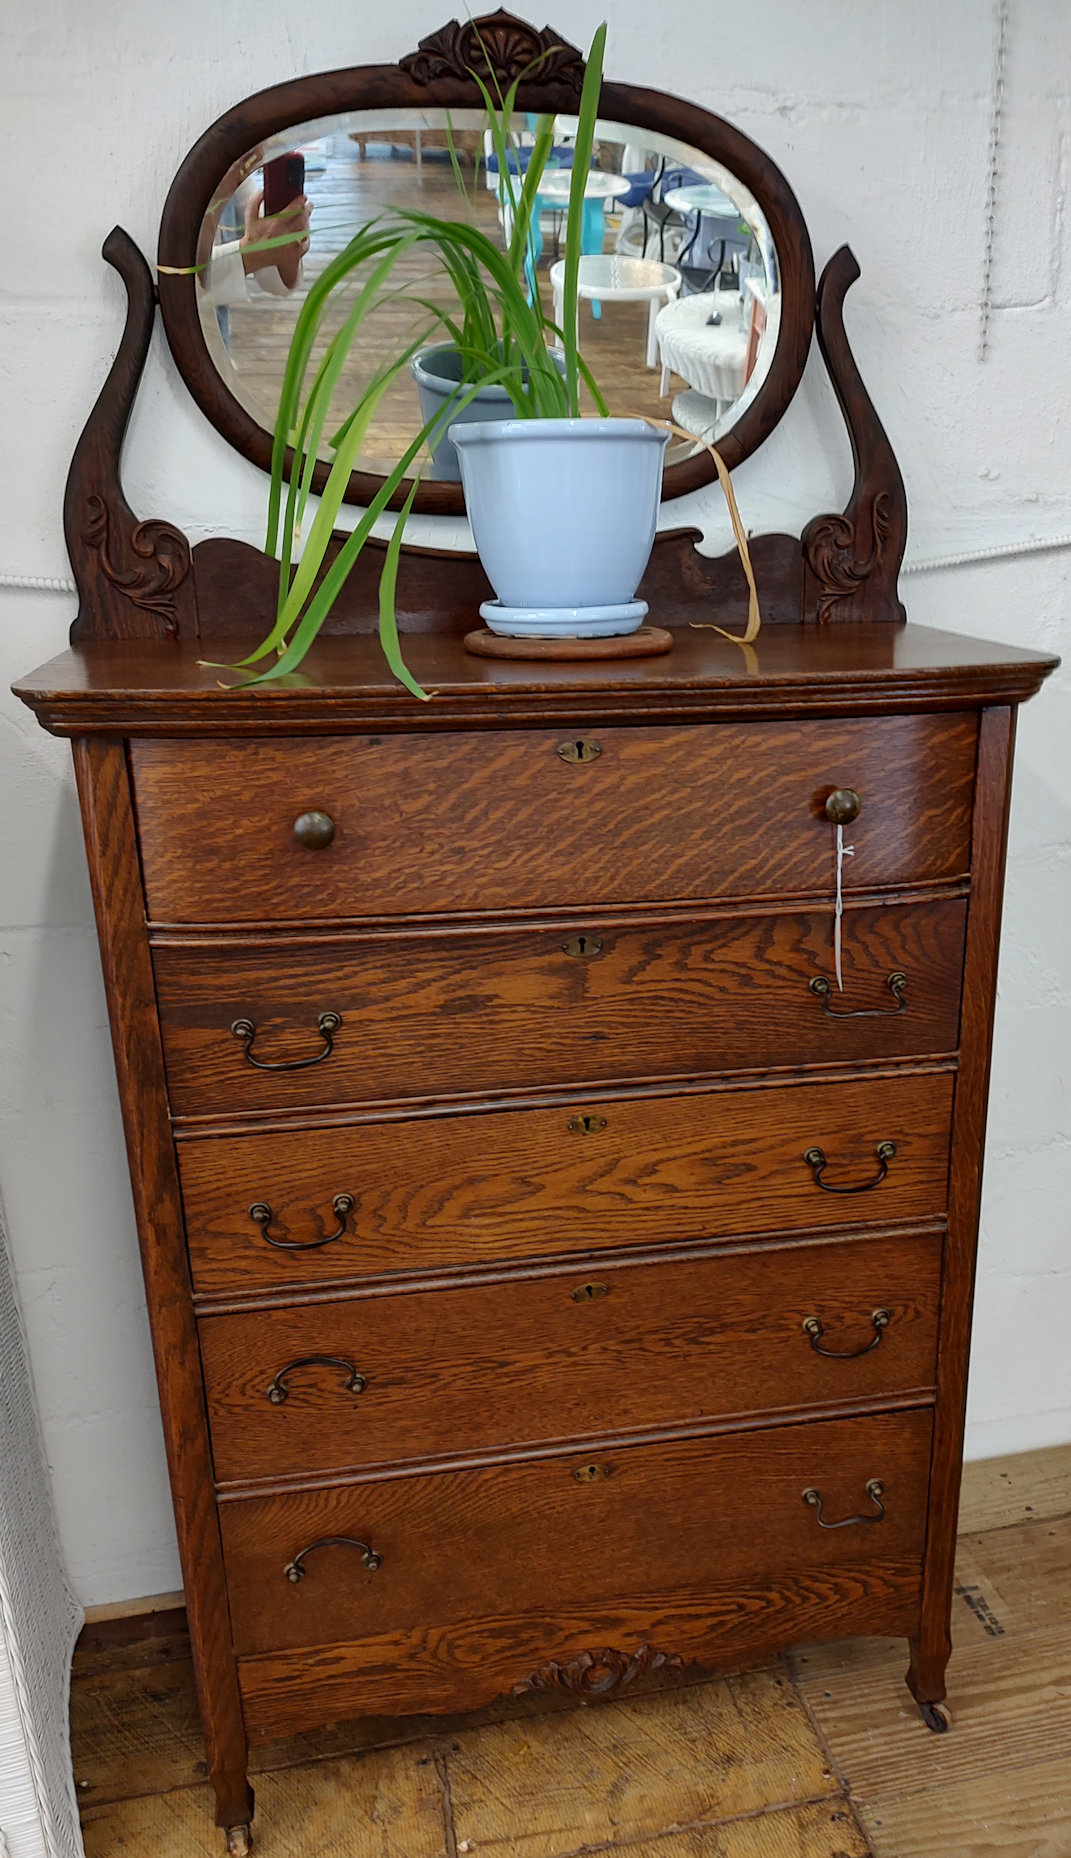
499, 49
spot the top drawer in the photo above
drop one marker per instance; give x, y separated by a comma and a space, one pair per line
450, 822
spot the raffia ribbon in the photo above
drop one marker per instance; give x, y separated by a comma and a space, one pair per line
754, 617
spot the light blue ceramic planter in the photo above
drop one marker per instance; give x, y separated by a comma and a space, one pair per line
563, 513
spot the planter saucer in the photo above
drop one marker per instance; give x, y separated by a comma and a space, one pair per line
647, 642
564, 622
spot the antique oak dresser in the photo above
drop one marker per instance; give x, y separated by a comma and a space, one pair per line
554, 1275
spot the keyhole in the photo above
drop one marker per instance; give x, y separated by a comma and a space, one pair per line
586, 1125
583, 947
582, 748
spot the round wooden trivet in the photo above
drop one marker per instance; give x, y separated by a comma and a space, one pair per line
645, 643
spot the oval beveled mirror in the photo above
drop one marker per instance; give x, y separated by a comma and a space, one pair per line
696, 281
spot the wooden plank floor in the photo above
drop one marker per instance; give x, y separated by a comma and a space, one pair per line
818, 1755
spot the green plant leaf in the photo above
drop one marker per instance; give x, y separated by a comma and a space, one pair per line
582, 147
497, 323
388, 618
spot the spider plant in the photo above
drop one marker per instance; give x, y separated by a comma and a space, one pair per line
495, 318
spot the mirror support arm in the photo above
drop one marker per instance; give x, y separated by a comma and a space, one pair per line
133, 578
852, 561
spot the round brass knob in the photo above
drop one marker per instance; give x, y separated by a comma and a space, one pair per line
314, 830
843, 805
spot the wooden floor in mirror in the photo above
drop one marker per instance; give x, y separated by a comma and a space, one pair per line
819, 1754
357, 187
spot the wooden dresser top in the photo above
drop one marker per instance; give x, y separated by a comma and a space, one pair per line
166, 687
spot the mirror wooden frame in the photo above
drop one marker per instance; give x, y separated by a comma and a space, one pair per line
138, 577
438, 75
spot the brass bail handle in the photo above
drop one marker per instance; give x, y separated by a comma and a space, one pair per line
296, 1570
817, 1161
814, 1327
327, 1024
896, 982
261, 1214
875, 1490
354, 1381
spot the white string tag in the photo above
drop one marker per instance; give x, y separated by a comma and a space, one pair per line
843, 852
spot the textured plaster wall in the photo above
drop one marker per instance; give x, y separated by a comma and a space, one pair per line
880, 118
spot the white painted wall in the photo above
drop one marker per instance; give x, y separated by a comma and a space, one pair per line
880, 118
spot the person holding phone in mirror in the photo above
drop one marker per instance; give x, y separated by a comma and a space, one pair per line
278, 209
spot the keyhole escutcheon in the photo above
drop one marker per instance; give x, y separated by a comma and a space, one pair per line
581, 748
583, 947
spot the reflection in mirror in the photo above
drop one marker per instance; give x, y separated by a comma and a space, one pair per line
679, 281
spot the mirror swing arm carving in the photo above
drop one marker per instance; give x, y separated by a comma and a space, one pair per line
140, 579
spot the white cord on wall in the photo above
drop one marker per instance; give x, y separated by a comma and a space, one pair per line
49, 583
996, 123
969, 555
1003, 550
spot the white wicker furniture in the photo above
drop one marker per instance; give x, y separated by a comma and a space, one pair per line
39, 1620
711, 358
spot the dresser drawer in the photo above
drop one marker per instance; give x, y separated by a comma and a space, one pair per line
462, 822
436, 1192
692, 1533
419, 1017
330, 1386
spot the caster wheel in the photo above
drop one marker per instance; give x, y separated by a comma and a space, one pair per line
936, 1717
239, 1842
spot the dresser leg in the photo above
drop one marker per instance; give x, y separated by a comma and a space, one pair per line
926, 1681
234, 1810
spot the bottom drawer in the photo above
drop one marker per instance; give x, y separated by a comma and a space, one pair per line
699, 1549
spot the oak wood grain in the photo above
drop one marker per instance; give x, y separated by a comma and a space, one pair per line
488, 1010
344, 684
730, 1623
930, 1653
108, 822
464, 822
523, 1359
499, 1548
437, 1192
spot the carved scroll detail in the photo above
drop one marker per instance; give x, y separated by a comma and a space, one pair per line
158, 558
831, 546
133, 577
600, 1673
498, 47
852, 560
